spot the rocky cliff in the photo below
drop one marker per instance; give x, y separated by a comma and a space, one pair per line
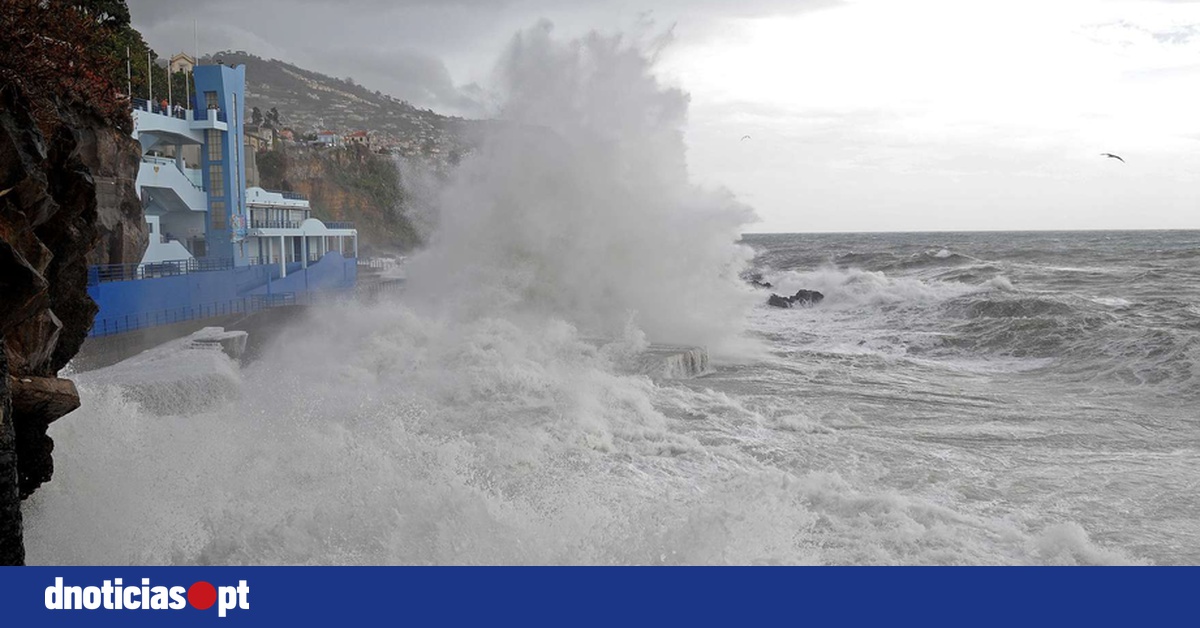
349, 183
66, 198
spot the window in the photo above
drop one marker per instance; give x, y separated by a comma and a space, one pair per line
210, 100
216, 179
217, 213
212, 137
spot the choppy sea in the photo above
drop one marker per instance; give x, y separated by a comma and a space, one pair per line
957, 398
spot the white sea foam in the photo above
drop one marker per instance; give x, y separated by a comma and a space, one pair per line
852, 287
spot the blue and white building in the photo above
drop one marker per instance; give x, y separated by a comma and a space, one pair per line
216, 246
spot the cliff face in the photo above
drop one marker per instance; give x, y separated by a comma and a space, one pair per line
345, 184
61, 197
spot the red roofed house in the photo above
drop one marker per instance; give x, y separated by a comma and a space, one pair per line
358, 137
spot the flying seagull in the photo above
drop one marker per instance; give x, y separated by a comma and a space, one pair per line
1117, 157
744, 137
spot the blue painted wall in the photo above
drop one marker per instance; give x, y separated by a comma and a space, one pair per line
229, 84
135, 304
333, 272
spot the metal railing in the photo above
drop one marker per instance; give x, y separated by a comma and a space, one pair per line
295, 196
201, 115
274, 224
154, 270
339, 224
374, 291
171, 163
263, 301
133, 322
155, 159
171, 111
381, 263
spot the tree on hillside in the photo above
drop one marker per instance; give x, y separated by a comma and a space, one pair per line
256, 116
273, 118
182, 87
119, 44
110, 13
56, 57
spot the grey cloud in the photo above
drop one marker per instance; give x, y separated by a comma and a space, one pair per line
413, 49
410, 74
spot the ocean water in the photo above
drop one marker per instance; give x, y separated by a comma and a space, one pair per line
990, 398
955, 399
1049, 379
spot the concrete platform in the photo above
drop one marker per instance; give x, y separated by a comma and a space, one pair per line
180, 376
671, 362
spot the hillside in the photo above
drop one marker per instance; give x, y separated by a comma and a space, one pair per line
345, 184
309, 102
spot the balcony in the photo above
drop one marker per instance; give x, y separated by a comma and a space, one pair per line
207, 114
275, 199
141, 104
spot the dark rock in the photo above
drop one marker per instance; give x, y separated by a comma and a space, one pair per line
50, 209
43, 398
112, 158
778, 301
807, 298
756, 280
39, 401
803, 298
12, 548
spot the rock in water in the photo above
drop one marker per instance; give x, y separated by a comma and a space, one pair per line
756, 280
803, 298
777, 301
807, 298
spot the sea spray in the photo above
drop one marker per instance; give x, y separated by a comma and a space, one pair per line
469, 422
580, 207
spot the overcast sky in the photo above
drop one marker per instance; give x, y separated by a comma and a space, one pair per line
864, 115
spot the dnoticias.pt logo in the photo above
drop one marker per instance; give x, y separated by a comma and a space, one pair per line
116, 595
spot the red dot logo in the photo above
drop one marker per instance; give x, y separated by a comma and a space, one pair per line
202, 595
